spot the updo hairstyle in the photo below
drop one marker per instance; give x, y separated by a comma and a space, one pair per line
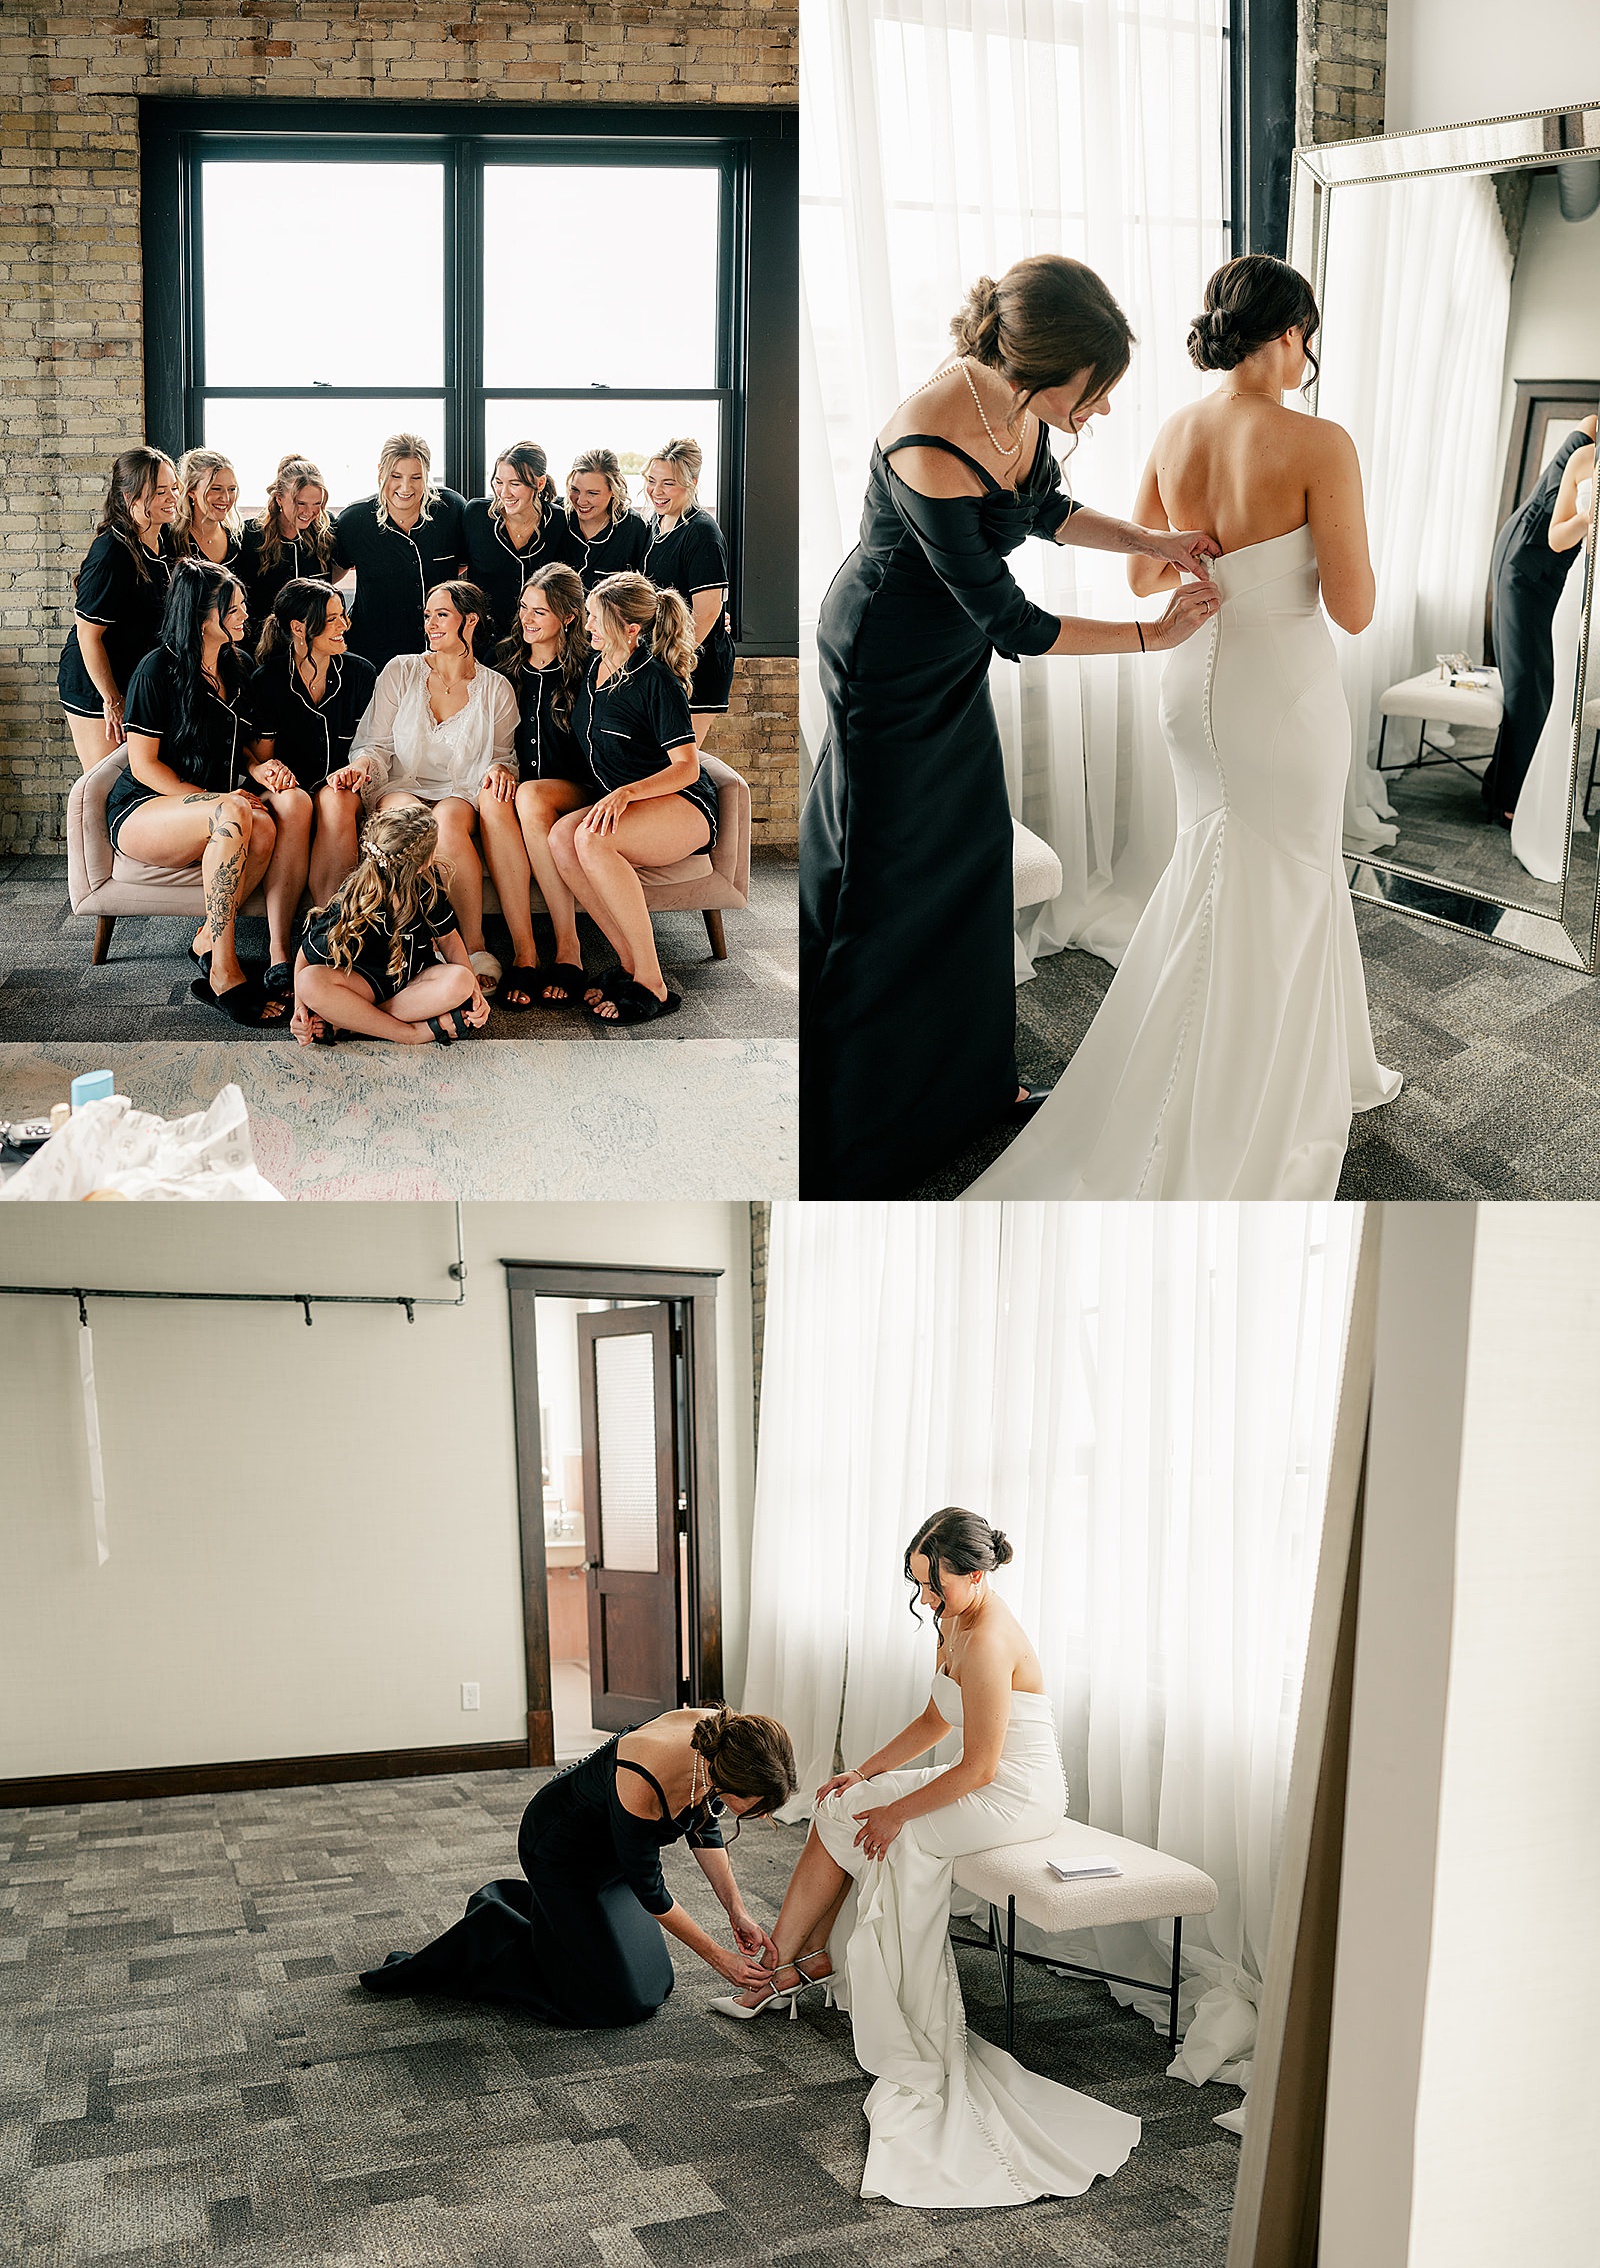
747, 1756
1249, 301
1046, 319
954, 1542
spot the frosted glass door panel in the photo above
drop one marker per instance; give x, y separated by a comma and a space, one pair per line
625, 1404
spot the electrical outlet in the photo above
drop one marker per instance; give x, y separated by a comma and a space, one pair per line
469, 1697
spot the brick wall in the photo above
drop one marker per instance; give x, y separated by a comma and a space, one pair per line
1339, 83
71, 349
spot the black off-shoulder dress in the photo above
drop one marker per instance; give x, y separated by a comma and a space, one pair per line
575, 1942
907, 984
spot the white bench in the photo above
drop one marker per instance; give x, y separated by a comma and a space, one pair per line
1432, 699
1150, 1887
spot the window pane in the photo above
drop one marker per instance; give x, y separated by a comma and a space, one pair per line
625, 1412
600, 275
633, 429
342, 438
268, 229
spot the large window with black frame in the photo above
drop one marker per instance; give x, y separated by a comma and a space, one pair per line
310, 292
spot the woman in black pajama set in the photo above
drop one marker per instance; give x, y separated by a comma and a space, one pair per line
401, 542
188, 793
578, 1941
513, 531
907, 963
547, 658
292, 540
601, 534
631, 718
1526, 579
308, 695
118, 595
691, 558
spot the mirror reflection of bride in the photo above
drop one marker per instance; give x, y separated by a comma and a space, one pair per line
1234, 1043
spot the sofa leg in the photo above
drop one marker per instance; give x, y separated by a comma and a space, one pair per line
716, 933
102, 939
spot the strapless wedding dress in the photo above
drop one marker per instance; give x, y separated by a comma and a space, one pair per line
954, 2121
1539, 822
1234, 1042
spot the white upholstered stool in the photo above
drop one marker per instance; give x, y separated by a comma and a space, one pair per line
1035, 879
1432, 699
1150, 1887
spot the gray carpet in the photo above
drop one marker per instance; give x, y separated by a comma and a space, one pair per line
49, 991
191, 2072
1500, 1055
1439, 812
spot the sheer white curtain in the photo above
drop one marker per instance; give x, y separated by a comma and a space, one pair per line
944, 139
1142, 1397
1416, 303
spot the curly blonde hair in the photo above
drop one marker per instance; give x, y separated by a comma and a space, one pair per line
603, 461
396, 879
634, 599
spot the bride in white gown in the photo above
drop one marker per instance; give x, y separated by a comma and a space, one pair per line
1234, 1042
1539, 823
953, 2121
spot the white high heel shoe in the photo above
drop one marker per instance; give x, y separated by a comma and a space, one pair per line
728, 2004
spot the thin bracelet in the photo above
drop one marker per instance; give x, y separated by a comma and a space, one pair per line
1143, 648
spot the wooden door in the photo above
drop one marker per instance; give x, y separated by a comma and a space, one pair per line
628, 1402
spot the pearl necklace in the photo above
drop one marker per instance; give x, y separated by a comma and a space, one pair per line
958, 362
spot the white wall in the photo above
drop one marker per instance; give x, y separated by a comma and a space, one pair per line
1506, 2109
1554, 330
1460, 2125
313, 1532
1453, 60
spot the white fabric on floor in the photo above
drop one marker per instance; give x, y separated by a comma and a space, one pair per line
952, 2121
944, 139
1415, 306
1142, 1397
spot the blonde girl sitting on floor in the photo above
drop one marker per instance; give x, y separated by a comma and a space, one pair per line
369, 961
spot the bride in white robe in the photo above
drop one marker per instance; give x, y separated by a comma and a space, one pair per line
1234, 1043
952, 2120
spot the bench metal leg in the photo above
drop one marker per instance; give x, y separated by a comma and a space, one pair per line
1172, 2028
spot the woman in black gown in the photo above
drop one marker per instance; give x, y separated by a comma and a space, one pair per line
1526, 579
907, 986
578, 1940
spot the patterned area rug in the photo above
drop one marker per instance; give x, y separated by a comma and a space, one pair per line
192, 2073
629, 1118
1500, 1055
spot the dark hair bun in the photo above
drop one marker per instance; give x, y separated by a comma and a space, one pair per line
1001, 1547
1215, 341
976, 330
711, 1732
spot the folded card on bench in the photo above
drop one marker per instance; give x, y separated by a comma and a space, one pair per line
1086, 1870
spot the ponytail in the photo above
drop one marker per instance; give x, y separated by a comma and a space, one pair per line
672, 637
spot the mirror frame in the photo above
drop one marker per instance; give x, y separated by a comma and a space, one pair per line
1571, 936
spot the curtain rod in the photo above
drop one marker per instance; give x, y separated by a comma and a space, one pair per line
457, 1271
